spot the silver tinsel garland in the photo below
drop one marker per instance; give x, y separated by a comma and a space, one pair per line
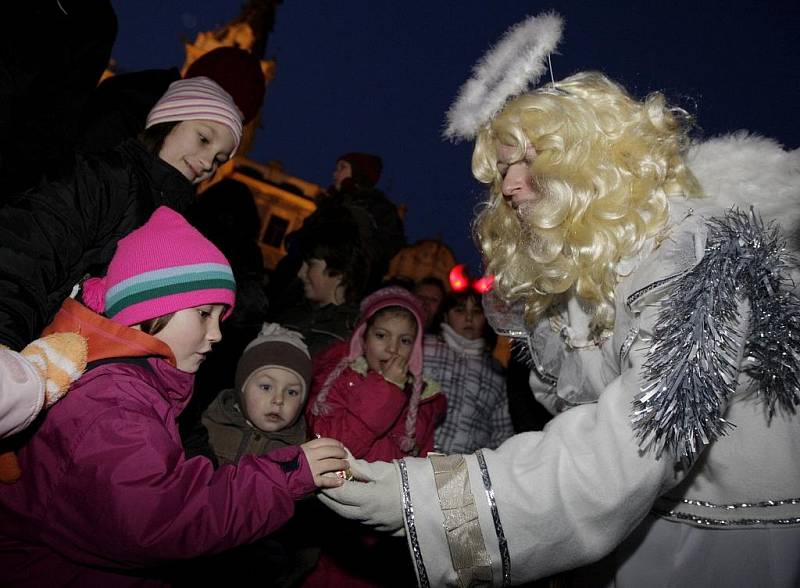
692, 364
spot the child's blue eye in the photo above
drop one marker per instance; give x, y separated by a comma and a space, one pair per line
203, 139
204, 313
293, 392
266, 387
407, 341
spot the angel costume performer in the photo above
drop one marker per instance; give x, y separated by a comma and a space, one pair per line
650, 279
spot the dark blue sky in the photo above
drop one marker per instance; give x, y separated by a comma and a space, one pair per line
378, 75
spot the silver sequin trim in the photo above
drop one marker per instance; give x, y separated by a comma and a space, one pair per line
408, 513
737, 505
536, 365
511, 334
633, 334
505, 557
707, 522
742, 522
634, 298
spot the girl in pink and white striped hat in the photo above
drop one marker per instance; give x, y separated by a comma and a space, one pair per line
57, 232
194, 127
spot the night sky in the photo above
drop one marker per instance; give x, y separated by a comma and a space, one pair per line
378, 76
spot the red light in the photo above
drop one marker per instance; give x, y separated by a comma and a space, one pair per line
458, 278
483, 285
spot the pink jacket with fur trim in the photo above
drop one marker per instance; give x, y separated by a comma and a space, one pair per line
106, 491
367, 413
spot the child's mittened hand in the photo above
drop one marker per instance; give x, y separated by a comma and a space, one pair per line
60, 358
325, 456
396, 371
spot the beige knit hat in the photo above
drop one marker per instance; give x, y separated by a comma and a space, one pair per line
278, 347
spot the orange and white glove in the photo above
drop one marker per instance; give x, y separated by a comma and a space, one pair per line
37, 377
60, 358
32, 380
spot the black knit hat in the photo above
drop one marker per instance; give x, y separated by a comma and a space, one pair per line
366, 168
238, 72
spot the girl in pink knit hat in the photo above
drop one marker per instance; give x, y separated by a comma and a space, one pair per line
58, 231
369, 393
106, 494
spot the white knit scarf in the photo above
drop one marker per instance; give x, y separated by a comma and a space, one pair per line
461, 344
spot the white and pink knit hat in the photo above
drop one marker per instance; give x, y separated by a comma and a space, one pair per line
198, 98
383, 298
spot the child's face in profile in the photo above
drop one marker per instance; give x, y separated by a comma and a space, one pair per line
319, 285
196, 148
190, 333
273, 398
391, 334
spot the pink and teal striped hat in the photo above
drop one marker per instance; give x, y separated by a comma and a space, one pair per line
162, 267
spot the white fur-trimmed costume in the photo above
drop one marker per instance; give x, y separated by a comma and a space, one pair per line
583, 490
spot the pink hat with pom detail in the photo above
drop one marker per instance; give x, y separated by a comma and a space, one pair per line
162, 267
383, 298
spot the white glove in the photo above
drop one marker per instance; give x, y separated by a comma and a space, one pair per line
372, 498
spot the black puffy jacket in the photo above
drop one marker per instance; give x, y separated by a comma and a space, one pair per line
52, 235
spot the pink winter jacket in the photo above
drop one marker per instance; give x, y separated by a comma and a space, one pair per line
107, 493
368, 414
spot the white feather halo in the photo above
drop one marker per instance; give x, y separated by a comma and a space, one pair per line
517, 61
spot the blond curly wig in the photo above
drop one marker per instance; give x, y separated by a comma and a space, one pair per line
605, 165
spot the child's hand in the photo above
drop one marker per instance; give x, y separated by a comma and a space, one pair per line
325, 455
396, 371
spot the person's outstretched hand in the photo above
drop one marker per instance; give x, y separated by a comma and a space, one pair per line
325, 456
372, 497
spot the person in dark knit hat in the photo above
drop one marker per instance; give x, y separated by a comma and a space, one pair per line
264, 409
354, 194
263, 412
357, 170
352, 199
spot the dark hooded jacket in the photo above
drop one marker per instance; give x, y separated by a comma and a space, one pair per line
52, 235
378, 221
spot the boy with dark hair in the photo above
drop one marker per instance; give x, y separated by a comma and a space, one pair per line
334, 274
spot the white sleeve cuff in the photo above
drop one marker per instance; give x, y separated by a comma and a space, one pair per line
22, 392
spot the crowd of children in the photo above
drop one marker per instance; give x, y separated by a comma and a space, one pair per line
124, 463
106, 496
103, 487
